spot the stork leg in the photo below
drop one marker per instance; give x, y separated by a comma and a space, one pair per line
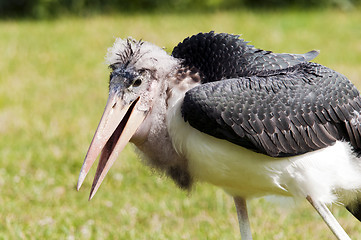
243, 221
329, 219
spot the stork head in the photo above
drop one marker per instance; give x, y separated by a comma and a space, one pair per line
139, 72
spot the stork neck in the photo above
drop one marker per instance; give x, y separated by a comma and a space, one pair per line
158, 151
153, 139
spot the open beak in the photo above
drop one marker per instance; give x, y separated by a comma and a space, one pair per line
116, 127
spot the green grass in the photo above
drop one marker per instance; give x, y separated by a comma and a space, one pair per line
53, 87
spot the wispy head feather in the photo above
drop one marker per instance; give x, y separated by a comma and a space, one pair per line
140, 55
130, 53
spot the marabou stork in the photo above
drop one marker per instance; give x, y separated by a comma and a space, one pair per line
250, 121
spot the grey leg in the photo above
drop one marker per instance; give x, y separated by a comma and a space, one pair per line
243, 220
329, 219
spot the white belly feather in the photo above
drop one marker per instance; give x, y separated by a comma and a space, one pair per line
328, 175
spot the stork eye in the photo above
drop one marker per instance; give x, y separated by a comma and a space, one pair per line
137, 82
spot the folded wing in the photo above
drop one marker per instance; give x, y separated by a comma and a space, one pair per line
307, 108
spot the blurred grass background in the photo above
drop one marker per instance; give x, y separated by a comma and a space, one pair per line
54, 8
53, 87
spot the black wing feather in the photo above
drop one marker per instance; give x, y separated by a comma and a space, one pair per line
223, 56
291, 113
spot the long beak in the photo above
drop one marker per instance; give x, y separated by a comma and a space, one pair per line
116, 127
